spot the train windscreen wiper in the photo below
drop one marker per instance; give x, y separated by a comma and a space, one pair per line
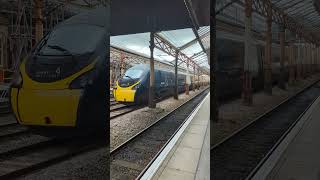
129, 77
44, 42
59, 48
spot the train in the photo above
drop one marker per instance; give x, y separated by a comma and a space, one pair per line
229, 66
55, 86
133, 86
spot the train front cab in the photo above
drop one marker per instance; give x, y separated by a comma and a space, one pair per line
125, 94
131, 86
56, 87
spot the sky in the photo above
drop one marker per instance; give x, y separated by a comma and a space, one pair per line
140, 43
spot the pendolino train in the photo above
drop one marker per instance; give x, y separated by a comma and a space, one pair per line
61, 84
133, 86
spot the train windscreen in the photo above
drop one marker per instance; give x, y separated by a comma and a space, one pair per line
64, 51
71, 40
130, 77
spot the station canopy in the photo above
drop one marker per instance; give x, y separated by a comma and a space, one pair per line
301, 16
182, 39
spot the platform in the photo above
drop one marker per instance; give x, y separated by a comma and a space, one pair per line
187, 154
297, 155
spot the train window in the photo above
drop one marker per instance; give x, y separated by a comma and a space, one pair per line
75, 39
133, 73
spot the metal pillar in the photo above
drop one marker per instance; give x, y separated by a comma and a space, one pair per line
39, 19
299, 60
246, 86
152, 103
313, 58
318, 58
291, 65
304, 61
213, 96
187, 79
295, 49
198, 79
175, 96
282, 56
194, 77
113, 75
268, 59
309, 59
122, 64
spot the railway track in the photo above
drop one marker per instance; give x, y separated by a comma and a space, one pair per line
26, 159
240, 155
116, 112
12, 130
113, 103
131, 158
4, 107
117, 109
8, 124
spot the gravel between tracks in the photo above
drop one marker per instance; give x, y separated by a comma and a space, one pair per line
124, 127
90, 165
235, 115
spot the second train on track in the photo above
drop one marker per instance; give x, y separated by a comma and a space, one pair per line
133, 86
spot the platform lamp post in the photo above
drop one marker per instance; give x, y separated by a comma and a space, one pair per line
152, 103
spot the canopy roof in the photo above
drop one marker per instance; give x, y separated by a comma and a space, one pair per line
300, 16
183, 39
130, 17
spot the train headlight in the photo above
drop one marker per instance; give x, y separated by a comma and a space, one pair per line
83, 80
136, 86
16, 80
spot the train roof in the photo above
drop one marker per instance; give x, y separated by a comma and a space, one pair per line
97, 17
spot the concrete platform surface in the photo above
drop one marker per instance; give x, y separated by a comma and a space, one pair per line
298, 156
189, 156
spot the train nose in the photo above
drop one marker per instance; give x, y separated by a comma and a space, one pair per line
124, 95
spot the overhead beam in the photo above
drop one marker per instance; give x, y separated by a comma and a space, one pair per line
165, 46
195, 40
194, 21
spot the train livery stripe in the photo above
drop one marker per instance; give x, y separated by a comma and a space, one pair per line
60, 84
